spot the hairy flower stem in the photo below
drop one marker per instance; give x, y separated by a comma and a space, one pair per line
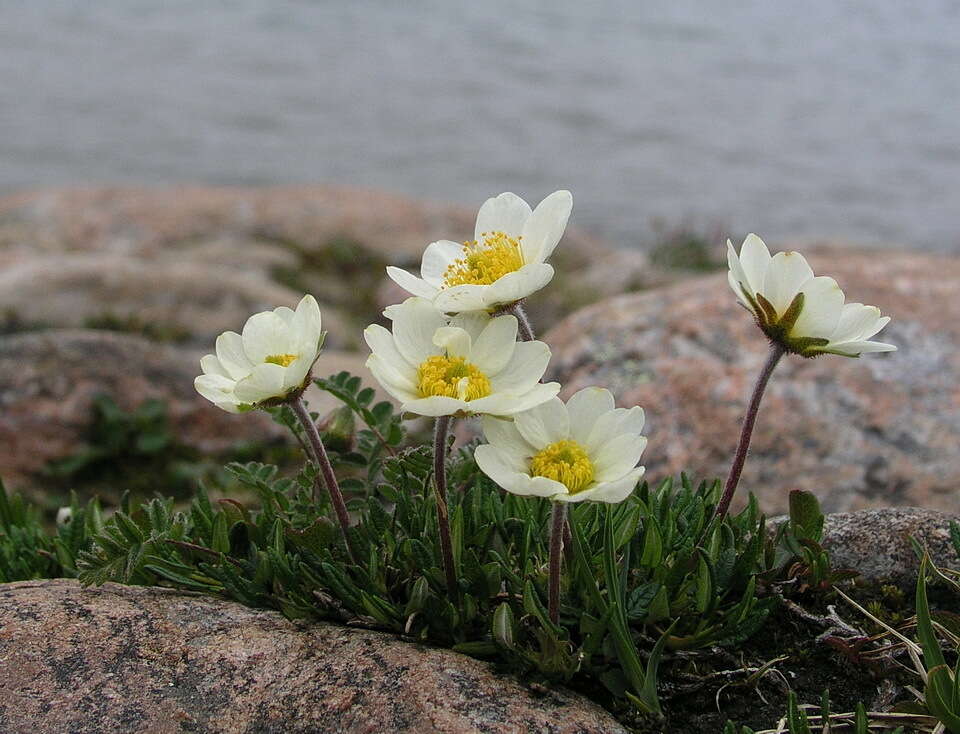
558, 523
526, 334
776, 352
322, 461
523, 323
441, 432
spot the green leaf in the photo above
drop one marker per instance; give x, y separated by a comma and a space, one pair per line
504, 626
805, 513
941, 696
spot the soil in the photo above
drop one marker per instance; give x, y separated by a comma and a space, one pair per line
701, 690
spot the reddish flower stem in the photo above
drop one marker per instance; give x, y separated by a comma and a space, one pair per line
441, 432
776, 352
322, 461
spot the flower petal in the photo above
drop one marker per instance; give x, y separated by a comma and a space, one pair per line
737, 278
610, 425
400, 387
266, 334
785, 278
502, 433
306, 326
505, 213
754, 259
543, 230
231, 355
500, 466
610, 492
495, 345
264, 383
517, 285
545, 424
584, 408
414, 324
434, 406
618, 456
382, 344
210, 365
437, 258
454, 341
822, 305
462, 298
219, 391
411, 283
858, 322
510, 403
526, 366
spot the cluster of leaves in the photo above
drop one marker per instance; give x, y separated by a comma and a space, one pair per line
654, 573
134, 449
28, 551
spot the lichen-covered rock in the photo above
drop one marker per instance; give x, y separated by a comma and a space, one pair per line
49, 379
877, 542
327, 240
129, 659
876, 431
179, 301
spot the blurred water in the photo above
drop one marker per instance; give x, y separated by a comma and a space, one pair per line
822, 118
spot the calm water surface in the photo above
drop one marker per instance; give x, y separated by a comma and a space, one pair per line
822, 118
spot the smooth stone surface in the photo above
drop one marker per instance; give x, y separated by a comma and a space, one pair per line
140, 659
877, 431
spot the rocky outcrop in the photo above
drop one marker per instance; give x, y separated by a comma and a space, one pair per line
247, 249
860, 433
49, 379
134, 659
877, 542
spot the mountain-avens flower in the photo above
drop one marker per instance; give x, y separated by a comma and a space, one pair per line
504, 263
586, 449
803, 313
469, 364
269, 361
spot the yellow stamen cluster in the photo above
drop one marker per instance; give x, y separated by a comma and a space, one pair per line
452, 377
565, 462
485, 262
284, 360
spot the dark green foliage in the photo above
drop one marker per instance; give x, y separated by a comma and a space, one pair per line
27, 551
129, 450
637, 582
643, 579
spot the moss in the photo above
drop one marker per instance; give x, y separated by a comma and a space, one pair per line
685, 249
133, 324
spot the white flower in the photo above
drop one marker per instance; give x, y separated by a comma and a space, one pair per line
806, 314
505, 262
271, 360
584, 450
470, 364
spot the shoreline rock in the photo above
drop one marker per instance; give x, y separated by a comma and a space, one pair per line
876, 431
142, 659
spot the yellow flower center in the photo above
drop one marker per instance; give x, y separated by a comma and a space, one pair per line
452, 377
485, 262
284, 360
565, 462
